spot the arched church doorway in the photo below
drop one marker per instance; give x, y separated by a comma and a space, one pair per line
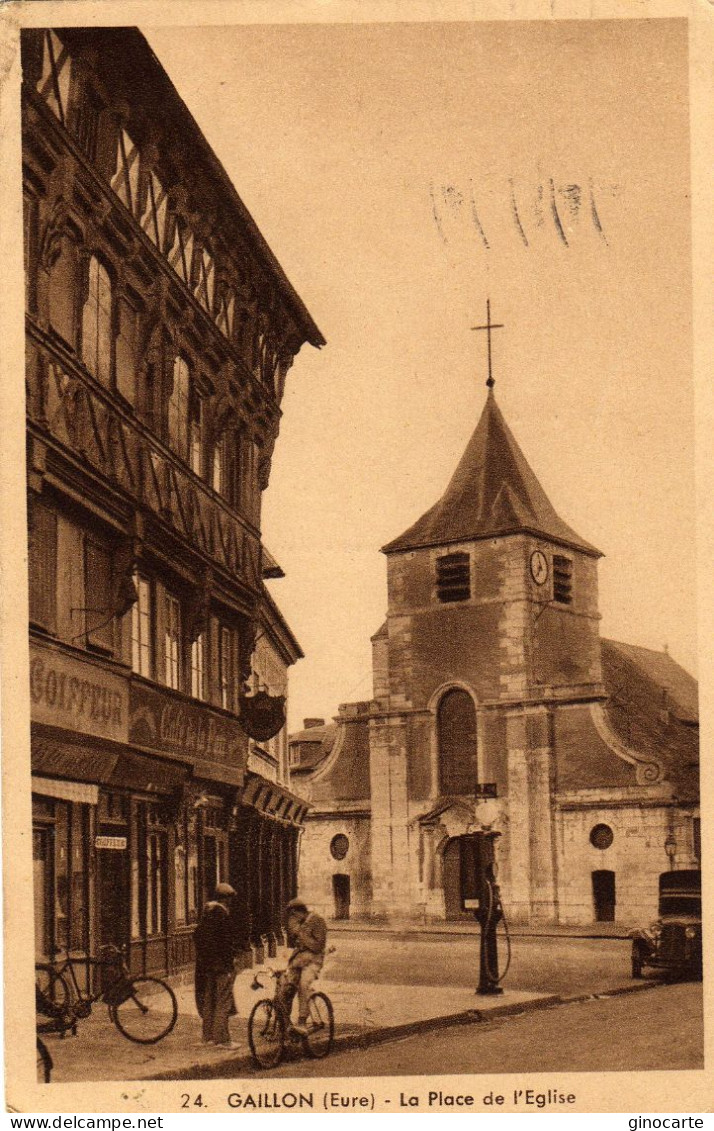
453, 910
604, 896
456, 729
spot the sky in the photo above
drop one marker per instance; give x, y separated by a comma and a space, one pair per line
403, 174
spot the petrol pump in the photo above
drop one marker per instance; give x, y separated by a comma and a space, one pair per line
481, 895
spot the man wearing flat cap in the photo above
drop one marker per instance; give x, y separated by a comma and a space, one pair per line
308, 934
215, 971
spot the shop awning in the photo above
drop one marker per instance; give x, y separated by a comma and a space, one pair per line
56, 756
81, 792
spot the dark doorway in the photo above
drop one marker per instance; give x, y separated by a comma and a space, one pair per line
113, 897
341, 893
604, 896
453, 909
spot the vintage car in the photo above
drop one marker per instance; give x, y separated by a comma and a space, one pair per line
674, 941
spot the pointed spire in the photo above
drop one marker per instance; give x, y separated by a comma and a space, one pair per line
492, 492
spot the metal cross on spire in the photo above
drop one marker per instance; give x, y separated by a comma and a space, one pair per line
488, 328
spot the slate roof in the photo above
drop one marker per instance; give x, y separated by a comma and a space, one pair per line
314, 745
653, 708
492, 492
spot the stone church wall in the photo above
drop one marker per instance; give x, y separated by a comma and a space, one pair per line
318, 867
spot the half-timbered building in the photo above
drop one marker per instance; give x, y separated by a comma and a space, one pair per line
160, 330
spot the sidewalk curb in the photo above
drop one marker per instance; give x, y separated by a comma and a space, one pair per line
364, 1038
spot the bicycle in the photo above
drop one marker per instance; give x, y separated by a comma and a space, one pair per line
144, 1009
270, 1031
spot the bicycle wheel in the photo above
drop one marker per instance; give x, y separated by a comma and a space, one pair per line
266, 1033
147, 1012
44, 1062
321, 1026
52, 992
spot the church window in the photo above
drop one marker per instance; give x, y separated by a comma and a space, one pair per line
453, 577
562, 579
601, 836
457, 743
339, 846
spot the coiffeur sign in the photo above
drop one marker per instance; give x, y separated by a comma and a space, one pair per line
76, 695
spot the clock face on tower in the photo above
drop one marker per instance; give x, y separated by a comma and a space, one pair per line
539, 567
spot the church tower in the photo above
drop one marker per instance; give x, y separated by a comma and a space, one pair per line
492, 628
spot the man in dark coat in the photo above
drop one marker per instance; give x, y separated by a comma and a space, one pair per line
215, 972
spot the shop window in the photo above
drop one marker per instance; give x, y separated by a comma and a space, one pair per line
136, 881
180, 883
43, 566
562, 579
178, 408
453, 579
97, 322
192, 884
172, 648
79, 879
42, 887
457, 743
54, 84
155, 883
198, 672
98, 612
141, 628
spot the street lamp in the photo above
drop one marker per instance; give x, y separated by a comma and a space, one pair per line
670, 847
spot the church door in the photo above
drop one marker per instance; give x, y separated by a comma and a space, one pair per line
341, 892
453, 910
604, 896
456, 723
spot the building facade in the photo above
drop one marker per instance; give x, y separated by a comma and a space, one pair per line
497, 705
160, 331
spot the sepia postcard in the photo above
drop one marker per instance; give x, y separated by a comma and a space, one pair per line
356, 410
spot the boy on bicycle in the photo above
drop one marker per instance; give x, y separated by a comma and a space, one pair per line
307, 931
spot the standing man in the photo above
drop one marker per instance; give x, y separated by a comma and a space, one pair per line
215, 972
308, 932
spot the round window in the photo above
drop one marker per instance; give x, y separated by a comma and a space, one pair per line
339, 846
601, 836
